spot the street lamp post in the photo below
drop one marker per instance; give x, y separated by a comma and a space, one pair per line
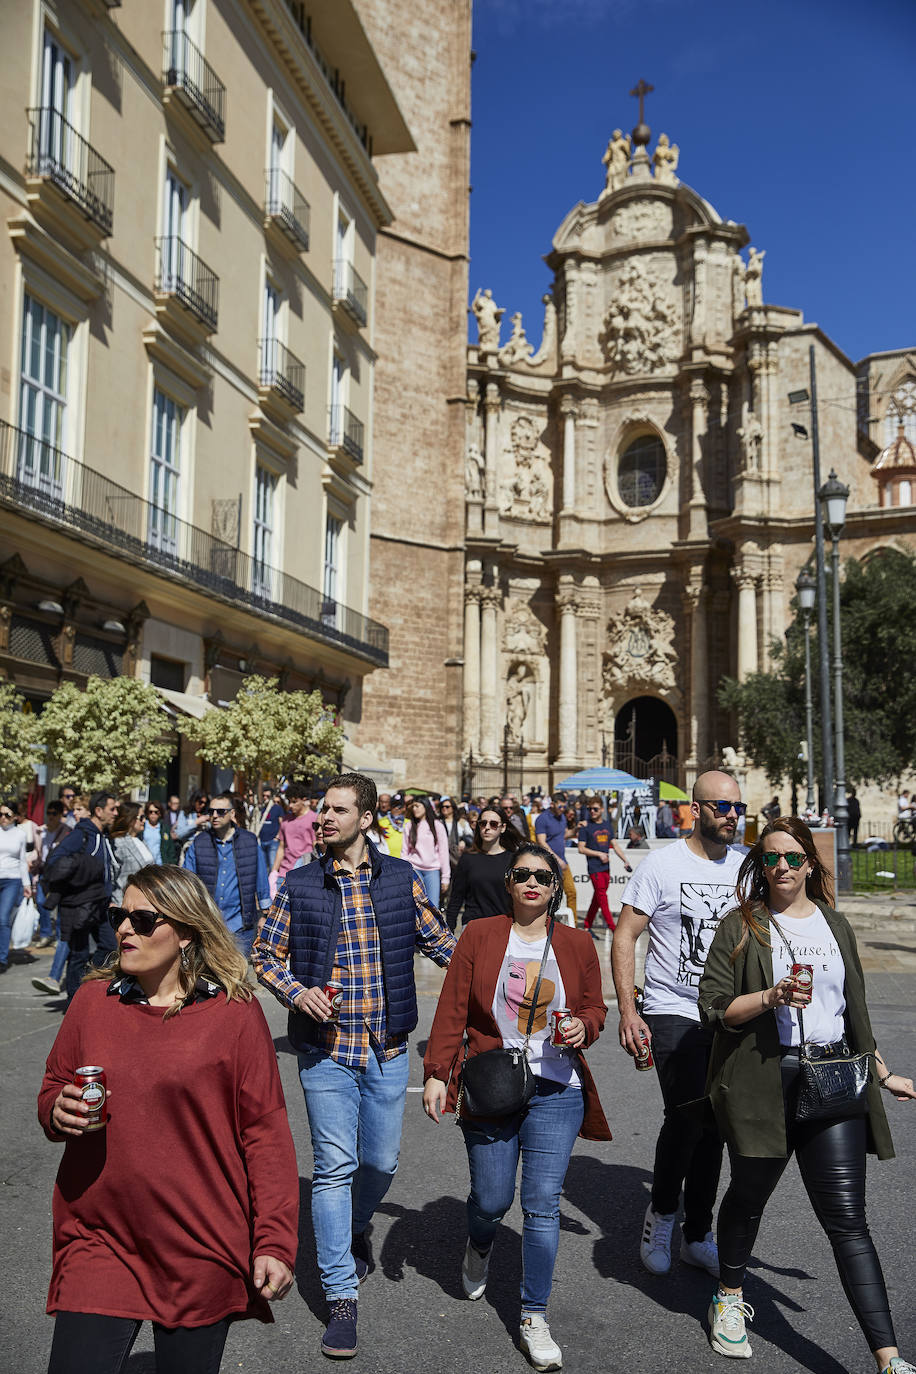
806, 588
834, 494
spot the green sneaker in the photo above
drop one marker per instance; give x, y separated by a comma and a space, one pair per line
899, 1366
726, 1317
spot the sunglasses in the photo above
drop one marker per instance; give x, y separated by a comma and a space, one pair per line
219, 810
489, 825
723, 807
6, 816
795, 858
143, 922
543, 876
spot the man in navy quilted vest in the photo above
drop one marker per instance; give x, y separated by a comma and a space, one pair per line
230, 863
355, 918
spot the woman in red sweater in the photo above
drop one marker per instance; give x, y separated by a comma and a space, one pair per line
183, 1211
487, 995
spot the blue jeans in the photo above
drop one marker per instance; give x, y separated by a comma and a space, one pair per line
355, 1123
80, 953
10, 897
431, 879
244, 939
45, 919
545, 1133
59, 962
269, 850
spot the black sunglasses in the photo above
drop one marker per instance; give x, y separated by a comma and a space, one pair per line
143, 922
6, 816
219, 810
723, 807
795, 858
543, 876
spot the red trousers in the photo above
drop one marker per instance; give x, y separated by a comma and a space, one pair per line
599, 902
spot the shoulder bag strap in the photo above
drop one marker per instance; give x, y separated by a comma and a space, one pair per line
801, 1014
537, 986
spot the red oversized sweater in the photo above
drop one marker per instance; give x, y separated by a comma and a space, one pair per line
159, 1215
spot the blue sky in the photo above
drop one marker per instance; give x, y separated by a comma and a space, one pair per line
795, 119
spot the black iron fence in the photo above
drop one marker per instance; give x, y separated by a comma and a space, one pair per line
285, 203
58, 152
182, 274
282, 370
663, 767
44, 482
186, 69
351, 290
347, 432
883, 869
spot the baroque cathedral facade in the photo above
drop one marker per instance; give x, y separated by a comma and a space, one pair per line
638, 488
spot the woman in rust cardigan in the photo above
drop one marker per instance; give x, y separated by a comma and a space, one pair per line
487, 996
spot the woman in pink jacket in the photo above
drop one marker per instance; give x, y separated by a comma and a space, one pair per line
425, 846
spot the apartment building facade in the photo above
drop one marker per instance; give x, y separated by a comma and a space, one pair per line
191, 212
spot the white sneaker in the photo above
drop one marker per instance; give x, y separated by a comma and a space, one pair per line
47, 985
474, 1270
727, 1333
702, 1254
537, 1344
655, 1246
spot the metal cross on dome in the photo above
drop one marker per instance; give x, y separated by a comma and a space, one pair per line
641, 90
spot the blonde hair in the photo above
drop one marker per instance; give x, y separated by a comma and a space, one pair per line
183, 900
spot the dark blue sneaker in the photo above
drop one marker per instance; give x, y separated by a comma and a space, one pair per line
362, 1255
339, 1339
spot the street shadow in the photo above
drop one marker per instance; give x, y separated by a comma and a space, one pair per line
614, 1198
283, 1045
142, 1363
308, 1283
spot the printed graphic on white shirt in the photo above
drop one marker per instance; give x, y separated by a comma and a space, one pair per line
702, 907
512, 1006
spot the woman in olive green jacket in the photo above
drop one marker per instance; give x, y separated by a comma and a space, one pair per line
749, 994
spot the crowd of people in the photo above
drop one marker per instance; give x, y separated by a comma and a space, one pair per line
165, 912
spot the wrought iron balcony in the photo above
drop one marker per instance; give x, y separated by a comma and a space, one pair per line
188, 73
347, 432
282, 372
350, 291
180, 273
287, 208
62, 156
43, 483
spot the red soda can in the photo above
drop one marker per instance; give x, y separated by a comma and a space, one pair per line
333, 991
803, 978
561, 1025
91, 1082
644, 1061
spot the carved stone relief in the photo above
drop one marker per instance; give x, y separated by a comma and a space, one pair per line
523, 633
641, 329
640, 653
474, 486
643, 219
750, 439
521, 685
526, 489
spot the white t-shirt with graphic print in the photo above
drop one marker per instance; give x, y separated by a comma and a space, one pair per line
512, 1005
685, 898
814, 943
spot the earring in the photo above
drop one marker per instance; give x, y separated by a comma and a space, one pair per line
185, 957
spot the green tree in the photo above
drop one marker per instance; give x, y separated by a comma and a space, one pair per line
108, 735
879, 688
18, 740
266, 733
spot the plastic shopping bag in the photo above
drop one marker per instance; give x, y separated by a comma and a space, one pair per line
24, 924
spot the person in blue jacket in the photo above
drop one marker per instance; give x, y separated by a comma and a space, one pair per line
230, 863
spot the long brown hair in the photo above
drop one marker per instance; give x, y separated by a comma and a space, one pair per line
128, 813
752, 888
183, 900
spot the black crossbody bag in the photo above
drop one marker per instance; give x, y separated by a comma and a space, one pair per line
832, 1087
500, 1082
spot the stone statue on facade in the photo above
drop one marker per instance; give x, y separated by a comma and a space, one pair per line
523, 633
518, 349
473, 474
665, 160
640, 651
488, 315
616, 160
753, 277
641, 332
750, 437
526, 491
519, 693
739, 290
548, 336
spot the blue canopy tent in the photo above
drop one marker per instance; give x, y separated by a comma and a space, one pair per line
599, 779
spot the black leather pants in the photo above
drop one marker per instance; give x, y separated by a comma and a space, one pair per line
831, 1159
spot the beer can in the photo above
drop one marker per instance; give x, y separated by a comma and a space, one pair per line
561, 1024
91, 1082
644, 1061
803, 978
333, 991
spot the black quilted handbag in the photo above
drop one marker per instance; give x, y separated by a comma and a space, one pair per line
831, 1088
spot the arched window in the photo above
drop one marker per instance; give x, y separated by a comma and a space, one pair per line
641, 471
904, 493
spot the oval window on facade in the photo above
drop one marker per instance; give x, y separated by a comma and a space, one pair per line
641, 471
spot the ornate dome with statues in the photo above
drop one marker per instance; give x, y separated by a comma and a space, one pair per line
639, 496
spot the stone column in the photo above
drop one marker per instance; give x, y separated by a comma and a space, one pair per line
568, 733
491, 407
568, 342
699, 400
568, 411
489, 671
746, 583
694, 603
471, 712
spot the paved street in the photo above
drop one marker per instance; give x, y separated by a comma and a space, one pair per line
606, 1312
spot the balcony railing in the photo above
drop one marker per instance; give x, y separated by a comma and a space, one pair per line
350, 290
186, 70
182, 274
44, 483
287, 207
347, 432
282, 372
58, 152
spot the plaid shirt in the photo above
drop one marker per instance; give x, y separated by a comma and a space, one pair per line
357, 965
